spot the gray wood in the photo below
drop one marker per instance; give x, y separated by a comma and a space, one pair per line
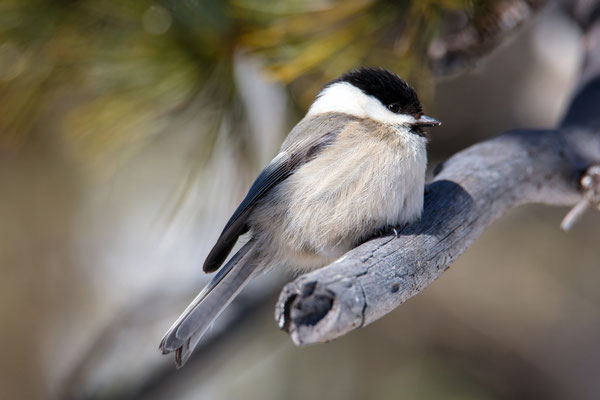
470, 190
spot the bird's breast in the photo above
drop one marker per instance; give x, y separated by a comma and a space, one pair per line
351, 189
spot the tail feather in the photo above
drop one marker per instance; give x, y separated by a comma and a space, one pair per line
189, 328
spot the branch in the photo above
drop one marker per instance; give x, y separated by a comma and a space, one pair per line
466, 37
469, 191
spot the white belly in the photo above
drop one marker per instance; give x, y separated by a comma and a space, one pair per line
331, 203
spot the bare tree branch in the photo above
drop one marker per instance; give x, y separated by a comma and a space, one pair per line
466, 38
469, 191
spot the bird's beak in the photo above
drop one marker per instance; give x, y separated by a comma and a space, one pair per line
425, 121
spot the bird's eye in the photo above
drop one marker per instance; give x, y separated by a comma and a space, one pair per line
394, 107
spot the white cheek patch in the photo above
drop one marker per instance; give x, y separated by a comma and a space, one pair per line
342, 97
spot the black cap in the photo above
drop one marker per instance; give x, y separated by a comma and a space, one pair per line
385, 86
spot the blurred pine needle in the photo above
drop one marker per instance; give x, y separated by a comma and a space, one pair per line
114, 75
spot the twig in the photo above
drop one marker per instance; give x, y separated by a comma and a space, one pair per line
590, 186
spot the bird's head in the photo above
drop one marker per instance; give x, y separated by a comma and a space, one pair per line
377, 94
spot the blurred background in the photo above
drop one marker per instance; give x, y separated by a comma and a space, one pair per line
129, 131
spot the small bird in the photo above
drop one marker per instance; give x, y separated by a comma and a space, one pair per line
354, 165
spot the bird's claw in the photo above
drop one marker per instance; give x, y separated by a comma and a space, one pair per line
396, 229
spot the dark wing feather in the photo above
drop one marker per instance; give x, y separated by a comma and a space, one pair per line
276, 171
300, 147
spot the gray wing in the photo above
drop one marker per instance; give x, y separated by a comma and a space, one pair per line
275, 172
282, 166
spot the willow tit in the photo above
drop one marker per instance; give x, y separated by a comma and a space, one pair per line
354, 165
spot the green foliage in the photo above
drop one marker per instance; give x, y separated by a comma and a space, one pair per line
312, 45
118, 74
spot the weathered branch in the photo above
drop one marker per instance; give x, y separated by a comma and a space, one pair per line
469, 191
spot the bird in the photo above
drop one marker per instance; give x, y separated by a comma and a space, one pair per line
354, 165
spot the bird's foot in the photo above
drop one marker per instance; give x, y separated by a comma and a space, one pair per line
395, 229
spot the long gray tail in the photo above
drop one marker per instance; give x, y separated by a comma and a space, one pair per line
189, 328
